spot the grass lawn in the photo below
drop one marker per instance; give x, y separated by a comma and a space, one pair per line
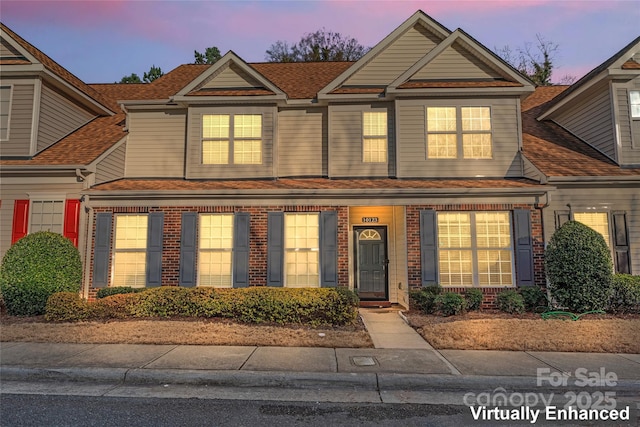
486, 330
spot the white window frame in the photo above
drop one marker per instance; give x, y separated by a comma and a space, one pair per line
368, 138
460, 132
221, 250
634, 105
233, 140
53, 200
9, 106
116, 250
475, 248
296, 250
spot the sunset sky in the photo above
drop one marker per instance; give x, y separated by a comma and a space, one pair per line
101, 41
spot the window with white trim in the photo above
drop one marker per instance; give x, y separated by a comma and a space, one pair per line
598, 221
130, 251
374, 137
302, 250
634, 103
5, 106
451, 130
230, 139
475, 249
46, 215
215, 250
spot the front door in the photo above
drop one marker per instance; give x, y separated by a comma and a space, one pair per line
371, 269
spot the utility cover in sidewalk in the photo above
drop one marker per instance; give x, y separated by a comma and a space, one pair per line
363, 361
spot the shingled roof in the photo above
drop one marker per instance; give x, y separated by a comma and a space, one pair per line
555, 151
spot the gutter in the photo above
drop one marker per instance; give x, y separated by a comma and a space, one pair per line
595, 179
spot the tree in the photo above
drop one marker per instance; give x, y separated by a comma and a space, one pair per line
536, 64
133, 78
321, 45
210, 56
154, 73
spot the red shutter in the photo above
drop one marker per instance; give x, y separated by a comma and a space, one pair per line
71, 228
20, 220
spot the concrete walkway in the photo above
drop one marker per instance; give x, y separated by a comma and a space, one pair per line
388, 329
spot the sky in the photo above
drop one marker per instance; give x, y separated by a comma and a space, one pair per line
101, 41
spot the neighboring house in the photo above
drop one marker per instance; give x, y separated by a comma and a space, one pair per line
428, 161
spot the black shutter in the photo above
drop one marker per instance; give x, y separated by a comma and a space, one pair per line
241, 250
329, 249
562, 217
622, 258
275, 248
188, 246
523, 247
102, 250
428, 248
155, 234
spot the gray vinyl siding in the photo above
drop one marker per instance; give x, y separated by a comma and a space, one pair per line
345, 142
155, 145
455, 63
590, 117
629, 129
412, 146
20, 121
12, 190
600, 198
302, 142
7, 51
196, 170
112, 166
58, 118
397, 58
531, 171
231, 77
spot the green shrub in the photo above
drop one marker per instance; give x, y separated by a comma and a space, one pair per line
579, 268
115, 290
36, 267
66, 307
450, 303
314, 307
474, 298
424, 299
510, 301
534, 298
625, 295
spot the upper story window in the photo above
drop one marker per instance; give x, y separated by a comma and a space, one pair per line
455, 130
374, 137
231, 139
634, 102
5, 105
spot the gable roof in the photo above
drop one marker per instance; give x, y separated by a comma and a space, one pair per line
619, 64
556, 152
34, 54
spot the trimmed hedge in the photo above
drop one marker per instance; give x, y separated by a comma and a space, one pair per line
625, 294
424, 299
450, 303
510, 301
579, 268
314, 307
34, 268
534, 298
115, 290
474, 298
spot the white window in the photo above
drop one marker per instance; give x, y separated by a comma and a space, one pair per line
475, 249
130, 251
634, 102
599, 221
448, 128
215, 250
225, 136
302, 246
47, 215
374, 137
5, 107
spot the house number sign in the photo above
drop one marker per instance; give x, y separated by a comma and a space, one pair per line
366, 219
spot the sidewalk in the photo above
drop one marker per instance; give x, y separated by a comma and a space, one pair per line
402, 367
